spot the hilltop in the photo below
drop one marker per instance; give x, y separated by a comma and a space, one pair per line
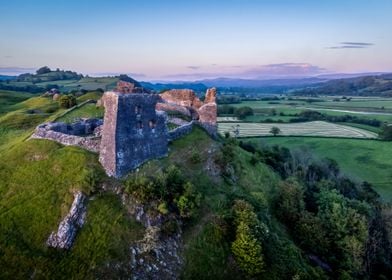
379, 85
213, 208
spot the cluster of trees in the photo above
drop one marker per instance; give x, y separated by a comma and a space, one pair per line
228, 99
172, 192
341, 225
240, 112
386, 132
27, 88
45, 74
310, 115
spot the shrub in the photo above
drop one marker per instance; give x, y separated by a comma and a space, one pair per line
195, 157
247, 251
67, 101
189, 201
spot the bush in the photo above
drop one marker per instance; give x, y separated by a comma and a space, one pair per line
67, 101
243, 112
247, 251
189, 201
195, 157
386, 133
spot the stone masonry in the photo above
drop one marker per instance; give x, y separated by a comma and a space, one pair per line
133, 132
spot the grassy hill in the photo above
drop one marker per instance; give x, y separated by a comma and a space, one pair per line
361, 86
368, 160
243, 212
66, 81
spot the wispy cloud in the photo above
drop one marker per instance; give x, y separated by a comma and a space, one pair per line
352, 45
193, 67
102, 74
14, 70
284, 69
269, 71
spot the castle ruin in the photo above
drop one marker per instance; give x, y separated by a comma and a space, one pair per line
135, 128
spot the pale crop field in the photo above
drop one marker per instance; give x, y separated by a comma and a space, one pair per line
316, 128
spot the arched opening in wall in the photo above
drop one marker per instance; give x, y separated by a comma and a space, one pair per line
152, 124
138, 110
139, 125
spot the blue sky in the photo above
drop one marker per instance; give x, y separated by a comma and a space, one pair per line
197, 39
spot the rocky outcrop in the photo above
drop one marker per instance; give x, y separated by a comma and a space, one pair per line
66, 232
156, 257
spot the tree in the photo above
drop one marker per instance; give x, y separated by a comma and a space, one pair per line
243, 112
67, 101
43, 70
386, 132
275, 130
247, 251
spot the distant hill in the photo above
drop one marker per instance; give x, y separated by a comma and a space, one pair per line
197, 87
249, 83
5, 77
374, 85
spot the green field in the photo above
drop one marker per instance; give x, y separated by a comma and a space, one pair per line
367, 108
88, 110
315, 128
369, 160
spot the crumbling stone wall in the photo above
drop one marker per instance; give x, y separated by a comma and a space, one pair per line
68, 135
133, 132
181, 131
64, 236
186, 100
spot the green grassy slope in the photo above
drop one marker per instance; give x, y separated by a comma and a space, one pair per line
10, 98
37, 180
368, 160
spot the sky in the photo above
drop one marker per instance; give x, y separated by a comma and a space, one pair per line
192, 40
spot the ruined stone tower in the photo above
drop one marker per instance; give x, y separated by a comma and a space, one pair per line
133, 132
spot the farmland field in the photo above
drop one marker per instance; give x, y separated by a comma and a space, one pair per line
316, 128
368, 160
367, 108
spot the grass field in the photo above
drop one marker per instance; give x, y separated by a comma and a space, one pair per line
9, 98
368, 108
88, 110
369, 160
317, 128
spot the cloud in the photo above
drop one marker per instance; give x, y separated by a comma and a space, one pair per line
102, 74
352, 45
193, 67
14, 70
284, 69
269, 71
8, 56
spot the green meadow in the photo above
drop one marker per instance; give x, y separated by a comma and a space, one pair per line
368, 160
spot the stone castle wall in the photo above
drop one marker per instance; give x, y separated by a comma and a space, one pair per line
133, 132
69, 135
181, 131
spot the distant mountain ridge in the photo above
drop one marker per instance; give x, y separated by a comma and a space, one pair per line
375, 85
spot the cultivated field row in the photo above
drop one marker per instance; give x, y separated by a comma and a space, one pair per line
316, 128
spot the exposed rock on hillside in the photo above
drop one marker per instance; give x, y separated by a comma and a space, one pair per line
68, 227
